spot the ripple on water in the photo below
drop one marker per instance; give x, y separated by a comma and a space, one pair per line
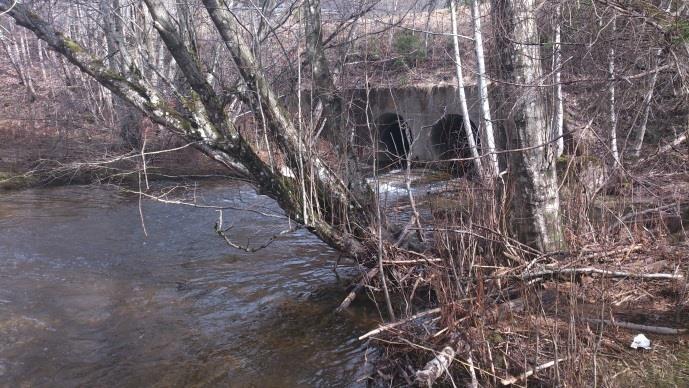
86, 299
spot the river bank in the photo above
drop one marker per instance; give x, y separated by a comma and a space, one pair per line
635, 227
29, 160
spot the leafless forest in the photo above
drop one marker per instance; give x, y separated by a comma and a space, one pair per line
556, 229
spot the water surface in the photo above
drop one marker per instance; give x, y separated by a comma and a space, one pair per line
87, 299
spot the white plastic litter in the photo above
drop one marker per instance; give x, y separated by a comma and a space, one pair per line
640, 341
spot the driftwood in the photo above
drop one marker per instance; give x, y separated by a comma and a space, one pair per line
436, 367
602, 272
398, 323
635, 326
352, 295
512, 380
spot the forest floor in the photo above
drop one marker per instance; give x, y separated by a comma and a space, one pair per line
582, 306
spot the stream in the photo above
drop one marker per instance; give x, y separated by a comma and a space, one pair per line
87, 298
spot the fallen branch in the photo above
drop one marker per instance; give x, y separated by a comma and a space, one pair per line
530, 372
679, 140
634, 215
398, 323
435, 368
221, 232
352, 295
411, 261
591, 270
635, 326
600, 255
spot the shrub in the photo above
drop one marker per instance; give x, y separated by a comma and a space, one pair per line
410, 47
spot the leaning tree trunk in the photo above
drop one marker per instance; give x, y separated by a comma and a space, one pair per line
346, 221
535, 202
332, 107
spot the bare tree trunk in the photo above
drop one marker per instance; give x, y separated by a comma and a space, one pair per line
611, 90
462, 95
641, 131
14, 55
559, 119
127, 118
333, 114
41, 61
486, 120
535, 202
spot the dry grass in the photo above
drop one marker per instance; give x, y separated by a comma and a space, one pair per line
513, 324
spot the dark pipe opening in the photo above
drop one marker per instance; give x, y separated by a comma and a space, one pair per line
449, 141
393, 139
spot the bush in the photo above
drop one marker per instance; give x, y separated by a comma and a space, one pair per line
410, 47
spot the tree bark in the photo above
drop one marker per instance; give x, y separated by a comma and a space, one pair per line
611, 90
468, 130
205, 123
326, 94
486, 120
127, 118
535, 202
351, 210
641, 132
559, 119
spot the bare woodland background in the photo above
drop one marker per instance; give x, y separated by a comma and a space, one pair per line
568, 230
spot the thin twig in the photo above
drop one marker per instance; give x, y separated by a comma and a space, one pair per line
412, 261
221, 232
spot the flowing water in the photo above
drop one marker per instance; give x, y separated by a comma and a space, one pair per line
88, 299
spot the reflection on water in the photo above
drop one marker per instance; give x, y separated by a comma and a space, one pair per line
87, 299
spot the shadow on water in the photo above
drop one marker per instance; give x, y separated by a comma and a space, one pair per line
86, 299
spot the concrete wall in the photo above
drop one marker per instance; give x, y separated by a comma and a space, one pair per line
420, 107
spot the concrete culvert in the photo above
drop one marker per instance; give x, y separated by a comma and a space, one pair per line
449, 141
393, 139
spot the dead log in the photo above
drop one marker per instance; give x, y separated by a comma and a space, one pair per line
602, 272
635, 326
435, 368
